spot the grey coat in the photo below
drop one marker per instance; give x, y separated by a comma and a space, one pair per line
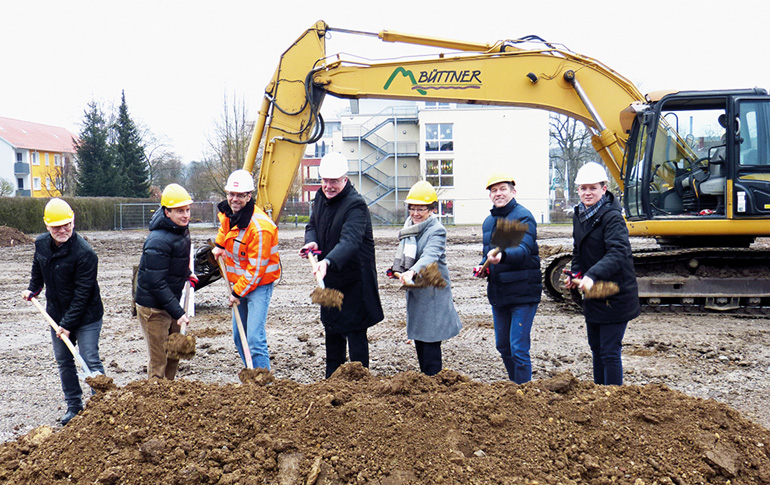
430, 312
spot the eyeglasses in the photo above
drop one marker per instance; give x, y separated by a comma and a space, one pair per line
419, 209
62, 228
238, 195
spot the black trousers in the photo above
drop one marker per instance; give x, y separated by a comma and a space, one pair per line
429, 357
336, 344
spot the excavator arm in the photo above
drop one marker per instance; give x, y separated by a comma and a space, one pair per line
502, 73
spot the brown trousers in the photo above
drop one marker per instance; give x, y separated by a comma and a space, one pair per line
157, 325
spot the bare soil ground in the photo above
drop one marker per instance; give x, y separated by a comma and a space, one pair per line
693, 410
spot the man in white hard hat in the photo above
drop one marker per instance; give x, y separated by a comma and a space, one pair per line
602, 252
248, 242
340, 228
67, 266
163, 271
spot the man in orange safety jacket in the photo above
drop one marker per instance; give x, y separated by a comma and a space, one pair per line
248, 242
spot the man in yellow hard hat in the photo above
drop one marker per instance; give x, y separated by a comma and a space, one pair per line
514, 281
67, 266
163, 271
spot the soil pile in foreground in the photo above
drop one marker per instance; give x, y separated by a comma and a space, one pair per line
10, 236
409, 428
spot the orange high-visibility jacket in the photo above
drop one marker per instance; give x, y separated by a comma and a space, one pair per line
251, 254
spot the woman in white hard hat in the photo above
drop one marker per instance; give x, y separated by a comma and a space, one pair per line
602, 252
163, 270
430, 312
515, 282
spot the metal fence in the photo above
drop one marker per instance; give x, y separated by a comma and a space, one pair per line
137, 216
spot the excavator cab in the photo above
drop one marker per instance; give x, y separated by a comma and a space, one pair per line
700, 155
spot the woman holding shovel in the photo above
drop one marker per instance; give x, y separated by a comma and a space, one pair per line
430, 312
514, 285
67, 266
163, 271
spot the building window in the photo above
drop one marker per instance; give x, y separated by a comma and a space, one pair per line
19, 157
36, 183
447, 211
440, 173
35, 158
20, 183
57, 160
436, 105
438, 137
46, 160
48, 183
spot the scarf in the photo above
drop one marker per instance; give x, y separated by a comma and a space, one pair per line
585, 213
242, 218
406, 254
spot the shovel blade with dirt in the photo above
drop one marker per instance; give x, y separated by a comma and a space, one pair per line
180, 345
507, 234
429, 276
326, 297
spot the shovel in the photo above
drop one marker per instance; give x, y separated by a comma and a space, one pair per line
180, 345
86, 371
507, 234
237, 314
429, 276
328, 297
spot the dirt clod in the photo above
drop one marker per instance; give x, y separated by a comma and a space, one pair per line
180, 346
101, 383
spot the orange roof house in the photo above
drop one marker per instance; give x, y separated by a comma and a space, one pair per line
33, 157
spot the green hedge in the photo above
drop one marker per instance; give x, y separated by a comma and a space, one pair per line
91, 213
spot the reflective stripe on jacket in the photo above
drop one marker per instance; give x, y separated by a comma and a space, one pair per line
251, 254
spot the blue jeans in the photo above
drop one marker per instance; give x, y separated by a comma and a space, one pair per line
513, 324
253, 311
86, 338
606, 341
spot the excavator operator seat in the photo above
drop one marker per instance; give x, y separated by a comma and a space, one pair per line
715, 184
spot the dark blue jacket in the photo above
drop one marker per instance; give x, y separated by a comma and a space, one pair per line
516, 279
602, 252
69, 275
165, 265
342, 228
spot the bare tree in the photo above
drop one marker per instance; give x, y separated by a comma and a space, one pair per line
570, 149
229, 143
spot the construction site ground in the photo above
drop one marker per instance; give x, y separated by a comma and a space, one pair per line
694, 408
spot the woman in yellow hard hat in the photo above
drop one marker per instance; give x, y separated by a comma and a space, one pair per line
163, 271
67, 266
514, 285
430, 312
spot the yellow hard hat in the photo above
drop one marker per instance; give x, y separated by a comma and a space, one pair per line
499, 176
174, 195
421, 193
57, 213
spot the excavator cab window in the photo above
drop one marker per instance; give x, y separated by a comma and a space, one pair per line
752, 137
676, 162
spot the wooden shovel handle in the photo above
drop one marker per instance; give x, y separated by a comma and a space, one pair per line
66, 339
487, 263
183, 327
237, 315
314, 262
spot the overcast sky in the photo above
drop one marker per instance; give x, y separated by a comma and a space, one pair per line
177, 60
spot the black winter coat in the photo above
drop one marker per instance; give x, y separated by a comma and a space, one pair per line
342, 228
68, 273
516, 279
165, 266
602, 252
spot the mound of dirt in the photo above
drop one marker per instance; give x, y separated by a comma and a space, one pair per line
409, 428
10, 236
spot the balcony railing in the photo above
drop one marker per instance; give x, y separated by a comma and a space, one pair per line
21, 168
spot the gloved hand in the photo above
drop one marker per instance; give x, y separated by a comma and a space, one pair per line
305, 251
193, 280
28, 295
477, 269
391, 274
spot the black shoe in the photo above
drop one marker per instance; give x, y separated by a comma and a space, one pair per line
71, 413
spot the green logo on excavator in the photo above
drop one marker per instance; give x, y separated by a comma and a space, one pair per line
404, 73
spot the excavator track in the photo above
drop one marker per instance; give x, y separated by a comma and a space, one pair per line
688, 280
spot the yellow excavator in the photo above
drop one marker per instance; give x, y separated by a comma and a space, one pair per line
693, 166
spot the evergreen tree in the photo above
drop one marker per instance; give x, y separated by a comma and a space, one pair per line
95, 159
129, 155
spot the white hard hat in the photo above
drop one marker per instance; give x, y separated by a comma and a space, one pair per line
591, 173
333, 166
240, 181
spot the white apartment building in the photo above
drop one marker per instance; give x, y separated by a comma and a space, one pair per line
392, 144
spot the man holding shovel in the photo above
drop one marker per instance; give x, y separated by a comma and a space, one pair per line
163, 271
248, 242
514, 285
67, 266
341, 228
